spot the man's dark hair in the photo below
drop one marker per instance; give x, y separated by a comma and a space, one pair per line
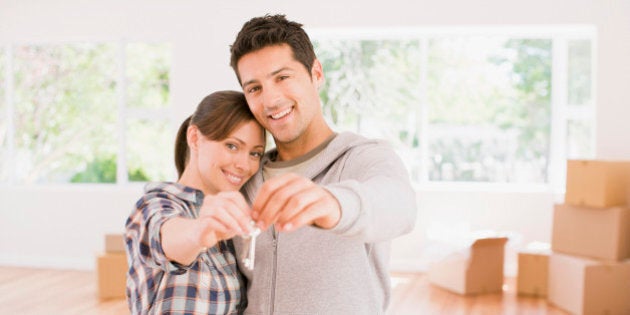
270, 30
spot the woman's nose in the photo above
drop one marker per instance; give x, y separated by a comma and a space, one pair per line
241, 161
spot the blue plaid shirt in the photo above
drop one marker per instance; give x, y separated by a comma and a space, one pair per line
212, 284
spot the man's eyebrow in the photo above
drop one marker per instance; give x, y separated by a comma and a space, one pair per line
246, 83
269, 75
278, 71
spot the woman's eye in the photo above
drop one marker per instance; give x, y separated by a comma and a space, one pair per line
257, 155
231, 146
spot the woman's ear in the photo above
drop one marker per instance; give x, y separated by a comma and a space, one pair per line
192, 136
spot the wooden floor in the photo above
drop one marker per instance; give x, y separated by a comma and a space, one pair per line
42, 291
413, 294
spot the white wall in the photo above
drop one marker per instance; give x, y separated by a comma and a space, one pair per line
63, 226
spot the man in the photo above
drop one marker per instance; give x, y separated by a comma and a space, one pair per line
329, 204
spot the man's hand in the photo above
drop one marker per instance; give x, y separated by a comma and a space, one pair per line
290, 201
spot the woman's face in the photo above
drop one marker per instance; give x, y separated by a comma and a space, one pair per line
227, 164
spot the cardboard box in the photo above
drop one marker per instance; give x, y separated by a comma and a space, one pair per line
111, 269
591, 232
586, 286
114, 243
479, 270
597, 183
533, 273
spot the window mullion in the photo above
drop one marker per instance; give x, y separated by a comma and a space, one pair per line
423, 110
121, 90
10, 112
559, 97
593, 102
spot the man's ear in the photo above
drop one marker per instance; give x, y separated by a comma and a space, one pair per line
317, 73
192, 136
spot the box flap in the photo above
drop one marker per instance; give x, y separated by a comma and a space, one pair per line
490, 241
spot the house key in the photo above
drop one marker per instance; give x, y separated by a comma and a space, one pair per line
249, 260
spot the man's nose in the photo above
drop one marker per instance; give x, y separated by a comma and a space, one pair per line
272, 96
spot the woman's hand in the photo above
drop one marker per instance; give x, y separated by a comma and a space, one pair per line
222, 216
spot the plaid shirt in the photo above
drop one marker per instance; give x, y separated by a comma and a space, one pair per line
212, 284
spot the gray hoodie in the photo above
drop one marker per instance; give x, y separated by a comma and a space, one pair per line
343, 270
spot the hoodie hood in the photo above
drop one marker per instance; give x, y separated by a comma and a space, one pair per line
338, 146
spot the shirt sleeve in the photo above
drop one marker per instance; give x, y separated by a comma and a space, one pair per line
377, 200
147, 220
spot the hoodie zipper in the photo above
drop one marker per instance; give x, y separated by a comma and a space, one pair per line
274, 236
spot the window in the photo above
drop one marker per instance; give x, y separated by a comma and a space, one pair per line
77, 113
581, 113
149, 133
459, 105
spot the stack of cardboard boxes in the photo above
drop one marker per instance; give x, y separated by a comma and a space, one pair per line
111, 268
589, 265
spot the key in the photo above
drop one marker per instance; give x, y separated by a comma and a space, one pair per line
249, 260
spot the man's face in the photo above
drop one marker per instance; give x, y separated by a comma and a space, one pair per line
280, 92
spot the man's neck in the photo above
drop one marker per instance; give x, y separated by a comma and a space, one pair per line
304, 144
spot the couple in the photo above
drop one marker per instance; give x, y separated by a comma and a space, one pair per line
328, 204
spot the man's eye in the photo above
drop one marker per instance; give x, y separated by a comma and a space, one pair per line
253, 89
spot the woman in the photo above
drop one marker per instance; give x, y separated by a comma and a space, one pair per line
178, 242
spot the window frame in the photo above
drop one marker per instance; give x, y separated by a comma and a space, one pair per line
125, 112
561, 111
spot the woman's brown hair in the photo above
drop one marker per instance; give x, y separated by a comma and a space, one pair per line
216, 116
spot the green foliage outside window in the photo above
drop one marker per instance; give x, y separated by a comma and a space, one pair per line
371, 86
66, 104
149, 142
148, 68
103, 170
487, 101
580, 72
64, 113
